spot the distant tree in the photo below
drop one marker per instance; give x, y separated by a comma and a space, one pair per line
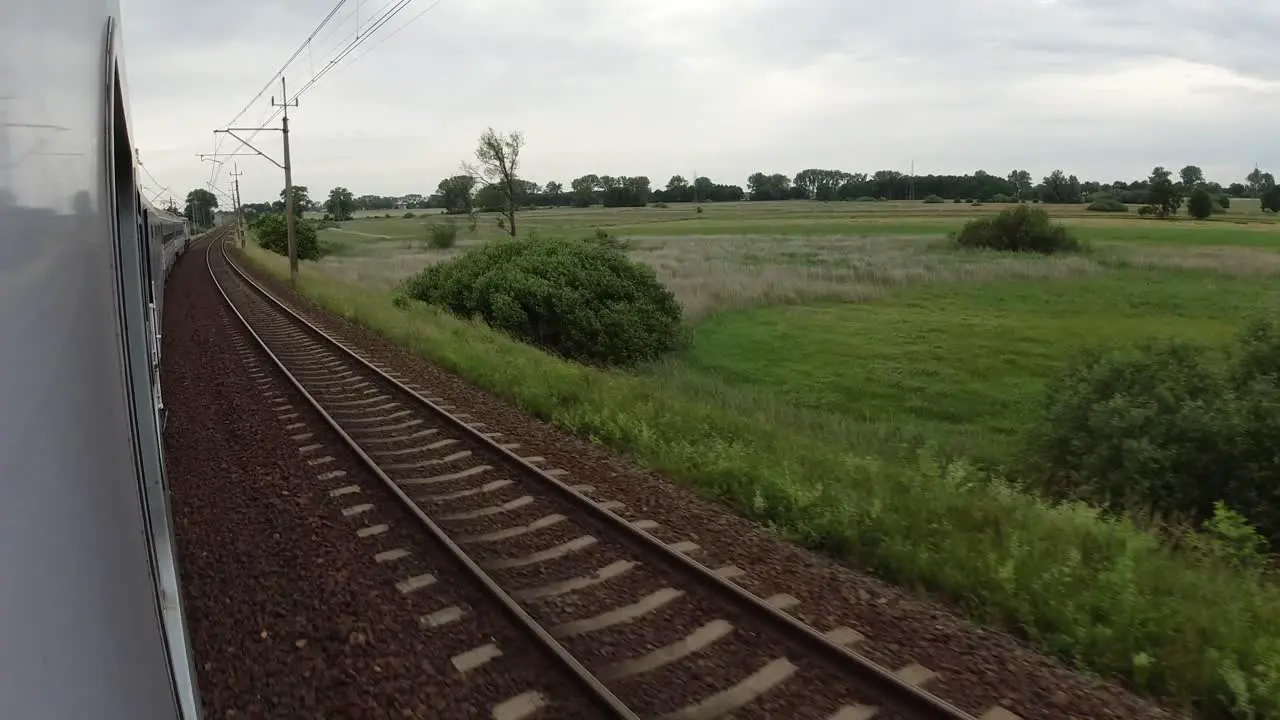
553, 193
585, 190
1058, 187
769, 187
1021, 182
340, 204
1191, 177
497, 159
1200, 204
1236, 190
199, 207
1162, 194
1259, 182
301, 200
489, 199
625, 191
457, 194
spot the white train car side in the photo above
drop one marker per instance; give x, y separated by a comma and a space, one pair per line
91, 616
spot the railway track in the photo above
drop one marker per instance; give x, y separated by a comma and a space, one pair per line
643, 627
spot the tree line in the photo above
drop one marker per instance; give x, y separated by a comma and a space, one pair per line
492, 183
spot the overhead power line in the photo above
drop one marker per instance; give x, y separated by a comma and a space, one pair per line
363, 35
305, 43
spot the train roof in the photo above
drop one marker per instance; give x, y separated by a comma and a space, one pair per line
161, 214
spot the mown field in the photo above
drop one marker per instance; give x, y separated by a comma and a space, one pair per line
856, 382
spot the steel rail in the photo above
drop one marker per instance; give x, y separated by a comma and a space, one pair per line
917, 699
597, 689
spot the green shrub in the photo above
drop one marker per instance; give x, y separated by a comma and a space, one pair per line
1271, 200
273, 234
408, 215
1164, 428
1146, 211
1224, 202
442, 235
580, 299
867, 198
1018, 229
933, 199
957, 201
1000, 198
1107, 204
1200, 204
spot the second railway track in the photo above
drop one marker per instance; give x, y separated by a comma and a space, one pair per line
649, 629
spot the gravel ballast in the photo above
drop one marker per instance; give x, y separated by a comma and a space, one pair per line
290, 614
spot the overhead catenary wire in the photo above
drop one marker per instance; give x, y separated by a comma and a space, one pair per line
363, 33
305, 44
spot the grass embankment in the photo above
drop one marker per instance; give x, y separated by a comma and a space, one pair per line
1095, 591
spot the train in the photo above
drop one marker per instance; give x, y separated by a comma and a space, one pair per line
91, 611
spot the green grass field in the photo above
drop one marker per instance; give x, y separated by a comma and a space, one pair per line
844, 354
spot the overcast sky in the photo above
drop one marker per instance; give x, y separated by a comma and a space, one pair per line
1104, 89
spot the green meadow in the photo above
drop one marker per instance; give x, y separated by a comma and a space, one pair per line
861, 386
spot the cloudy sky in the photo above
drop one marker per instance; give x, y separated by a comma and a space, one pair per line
1104, 89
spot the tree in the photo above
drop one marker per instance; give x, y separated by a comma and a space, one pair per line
1191, 176
457, 193
497, 159
1259, 182
553, 192
199, 207
301, 200
340, 203
1021, 182
1058, 187
1162, 194
585, 190
1200, 204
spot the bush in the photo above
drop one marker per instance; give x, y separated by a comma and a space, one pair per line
933, 199
1164, 428
1146, 211
1200, 204
1018, 229
1107, 204
1000, 198
442, 235
407, 215
272, 232
866, 198
580, 299
1224, 202
957, 201
1271, 200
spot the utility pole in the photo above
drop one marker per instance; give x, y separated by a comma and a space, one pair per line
287, 167
235, 200
288, 187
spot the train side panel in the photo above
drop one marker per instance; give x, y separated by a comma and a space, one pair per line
89, 611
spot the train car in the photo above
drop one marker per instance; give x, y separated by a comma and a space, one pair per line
91, 616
